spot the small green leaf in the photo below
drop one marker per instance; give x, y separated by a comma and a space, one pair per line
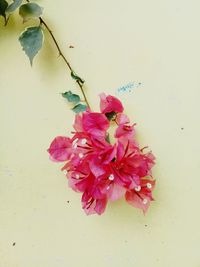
12, 7
31, 41
30, 11
76, 77
3, 7
71, 97
111, 115
79, 108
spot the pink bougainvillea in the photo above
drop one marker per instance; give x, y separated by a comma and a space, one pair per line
103, 171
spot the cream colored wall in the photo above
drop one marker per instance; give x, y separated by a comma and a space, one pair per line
116, 42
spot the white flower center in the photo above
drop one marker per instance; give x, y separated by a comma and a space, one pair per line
138, 188
149, 185
145, 201
77, 176
74, 143
83, 141
111, 177
80, 155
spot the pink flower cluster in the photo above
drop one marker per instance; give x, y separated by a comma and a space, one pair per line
102, 171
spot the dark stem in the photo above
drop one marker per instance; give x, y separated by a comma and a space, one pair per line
63, 57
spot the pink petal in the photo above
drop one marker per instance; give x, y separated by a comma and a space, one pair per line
108, 154
95, 123
96, 167
120, 151
82, 185
92, 206
125, 131
72, 183
78, 123
116, 192
138, 201
60, 149
88, 208
122, 119
110, 104
100, 205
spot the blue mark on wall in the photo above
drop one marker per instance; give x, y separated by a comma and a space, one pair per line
128, 87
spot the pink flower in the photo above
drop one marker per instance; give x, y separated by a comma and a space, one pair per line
81, 179
141, 196
130, 165
91, 205
102, 171
110, 104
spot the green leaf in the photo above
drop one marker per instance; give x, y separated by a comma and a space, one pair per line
12, 7
71, 97
76, 77
30, 11
111, 115
79, 108
3, 6
31, 41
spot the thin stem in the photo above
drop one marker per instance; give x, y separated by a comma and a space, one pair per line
56, 43
63, 57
